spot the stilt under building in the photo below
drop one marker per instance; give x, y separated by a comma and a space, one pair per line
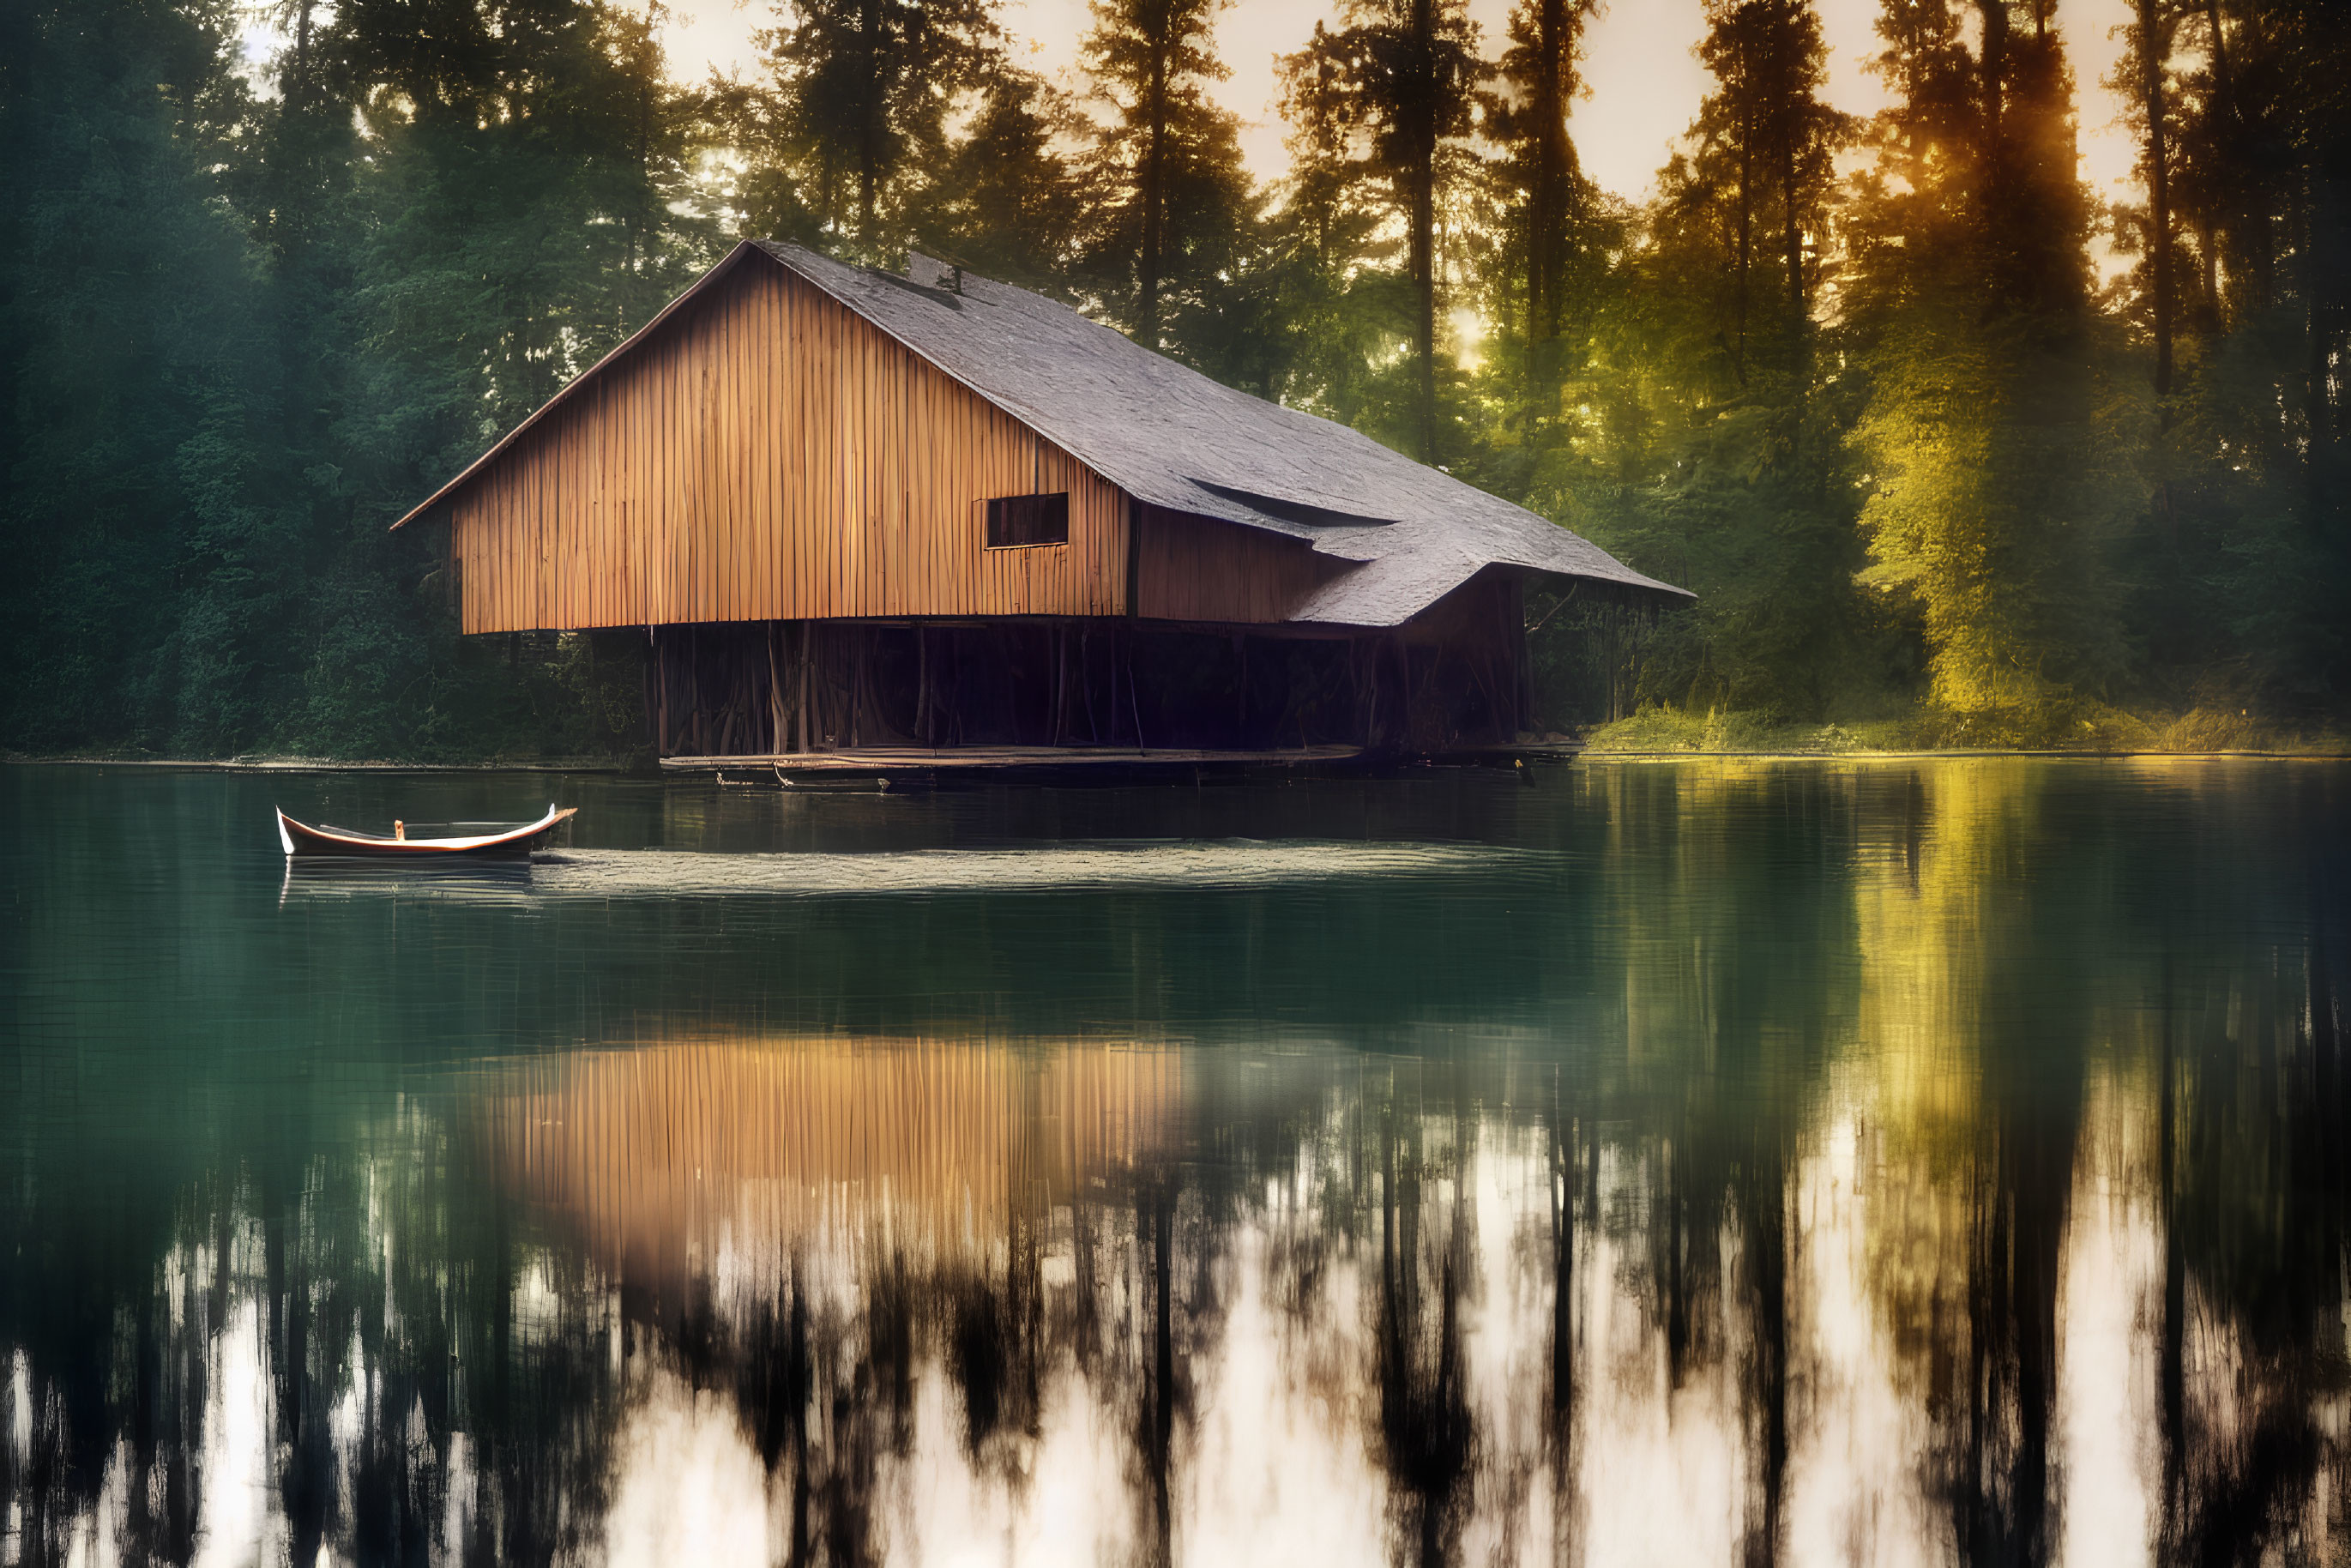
861, 516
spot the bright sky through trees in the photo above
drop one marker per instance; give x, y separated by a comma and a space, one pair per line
1646, 82
1968, 441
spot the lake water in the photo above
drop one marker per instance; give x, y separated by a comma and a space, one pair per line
1682, 1164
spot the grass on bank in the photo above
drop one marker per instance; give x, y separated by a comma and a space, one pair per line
2090, 729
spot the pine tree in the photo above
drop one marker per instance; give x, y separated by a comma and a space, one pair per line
1549, 259
523, 199
1539, 66
2143, 78
857, 106
1400, 77
147, 593
2245, 553
1734, 480
1757, 181
1173, 206
1991, 437
1009, 202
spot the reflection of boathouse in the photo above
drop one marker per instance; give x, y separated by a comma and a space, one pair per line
925, 1146
853, 509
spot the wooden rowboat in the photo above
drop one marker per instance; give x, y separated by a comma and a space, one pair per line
299, 838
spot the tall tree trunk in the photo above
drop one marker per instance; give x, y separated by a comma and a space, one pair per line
1423, 168
1994, 88
1746, 229
1547, 204
2154, 43
869, 123
1792, 242
1155, 184
1423, 283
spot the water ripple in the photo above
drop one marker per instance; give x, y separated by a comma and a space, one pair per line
1157, 866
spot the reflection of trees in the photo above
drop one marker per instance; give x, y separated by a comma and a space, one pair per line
1974, 1017
2255, 1116
353, 1291
1738, 980
1485, 1269
1428, 1438
1571, 1177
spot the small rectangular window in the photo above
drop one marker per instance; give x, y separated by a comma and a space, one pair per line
1014, 521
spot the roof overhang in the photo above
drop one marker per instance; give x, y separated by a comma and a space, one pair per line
1394, 571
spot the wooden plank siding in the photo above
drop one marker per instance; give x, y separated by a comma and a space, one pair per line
770, 455
1198, 568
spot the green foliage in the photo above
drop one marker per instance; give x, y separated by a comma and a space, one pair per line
1011, 205
1385, 105
862, 93
1676, 729
245, 334
1172, 212
1991, 428
1995, 503
1919, 470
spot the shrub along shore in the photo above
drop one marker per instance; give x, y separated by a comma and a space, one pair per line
1654, 731
2198, 732
1865, 386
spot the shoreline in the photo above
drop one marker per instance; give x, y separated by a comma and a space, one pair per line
2135, 753
1612, 755
314, 765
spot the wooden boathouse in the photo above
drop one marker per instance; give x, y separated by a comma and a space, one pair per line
857, 512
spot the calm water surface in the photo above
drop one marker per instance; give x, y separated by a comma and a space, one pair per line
1680, 1164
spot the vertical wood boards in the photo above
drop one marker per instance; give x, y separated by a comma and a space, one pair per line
772, 455
1197, 569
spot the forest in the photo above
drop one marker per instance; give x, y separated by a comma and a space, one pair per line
1936, 474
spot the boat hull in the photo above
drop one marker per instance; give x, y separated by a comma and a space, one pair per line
301, 840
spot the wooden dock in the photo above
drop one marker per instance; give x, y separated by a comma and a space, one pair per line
886, 766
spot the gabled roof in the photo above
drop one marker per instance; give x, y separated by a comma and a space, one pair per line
1172, 437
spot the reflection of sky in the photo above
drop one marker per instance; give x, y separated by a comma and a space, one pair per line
1975, 923
1282, 1465
668, 873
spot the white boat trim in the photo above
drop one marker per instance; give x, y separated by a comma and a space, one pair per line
380, 846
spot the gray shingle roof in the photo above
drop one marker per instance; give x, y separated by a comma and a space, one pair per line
1170, 437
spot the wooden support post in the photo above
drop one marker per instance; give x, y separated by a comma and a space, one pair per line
954, 672
1359, 690
770, 635
922, 686
1133, 703
646, 691
857, 694
1524, 664
1240, 691
1061, 683
660, 697
1086, 677
808, 656
1401, 717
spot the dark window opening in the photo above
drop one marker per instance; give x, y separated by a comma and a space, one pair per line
1016, 520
